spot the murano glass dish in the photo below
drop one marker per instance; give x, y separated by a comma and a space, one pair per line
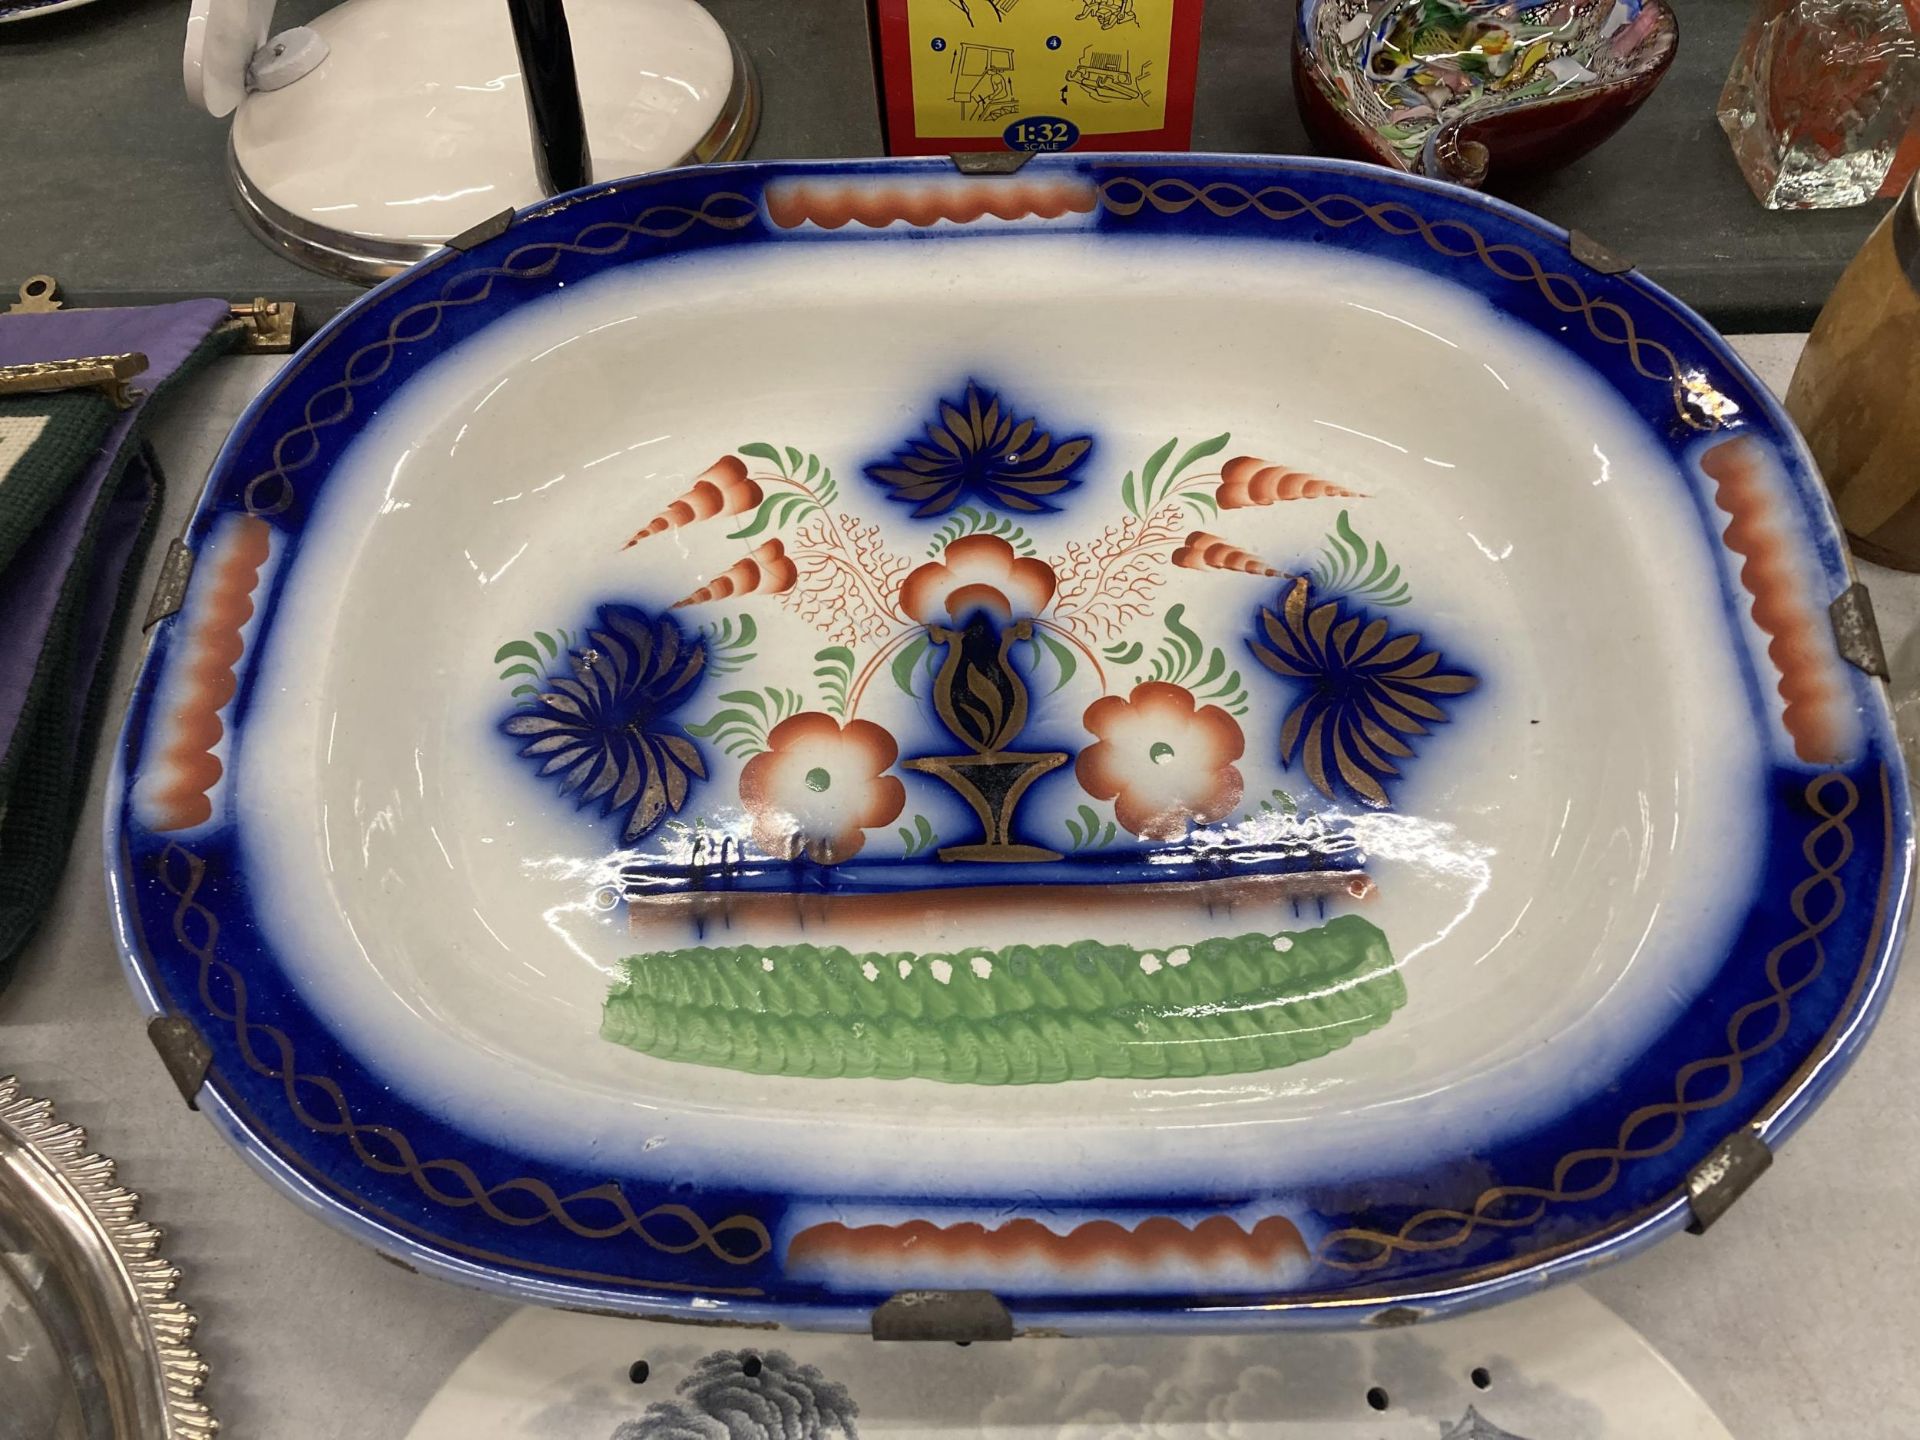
1476, 91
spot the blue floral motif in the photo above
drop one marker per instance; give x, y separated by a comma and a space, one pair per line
601, 728
1368, 692
763, 1393
976, 450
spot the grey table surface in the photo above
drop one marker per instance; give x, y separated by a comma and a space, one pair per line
1797, 1316
111, 180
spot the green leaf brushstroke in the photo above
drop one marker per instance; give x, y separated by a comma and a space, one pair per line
748, 716
908, 659
833, 668
1348, 567
916, 839
730, 643
969, 521
1065, 662
1156, 483
1182, 658
1088, 832
1023, 1014
531, 661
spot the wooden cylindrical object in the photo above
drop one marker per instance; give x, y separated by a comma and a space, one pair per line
1856, 392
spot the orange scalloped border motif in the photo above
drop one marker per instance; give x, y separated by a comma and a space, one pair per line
201, 680
831, 204
1271, 1252
1818, 713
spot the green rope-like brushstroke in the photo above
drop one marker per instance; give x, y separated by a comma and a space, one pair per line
1031, 1014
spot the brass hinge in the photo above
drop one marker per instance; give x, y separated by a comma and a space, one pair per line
183, 1052
990, 162
477, 235
38, 294
961, 1316
1595, 256
170, 591
1856, 632
1724, 1176
266, 325
108, 374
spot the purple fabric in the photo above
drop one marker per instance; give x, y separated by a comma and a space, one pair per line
30, 586
121, 522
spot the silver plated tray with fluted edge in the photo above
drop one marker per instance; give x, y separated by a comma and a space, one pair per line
93, 1343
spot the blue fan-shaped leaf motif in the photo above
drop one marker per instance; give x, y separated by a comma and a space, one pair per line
977, 450
599, 727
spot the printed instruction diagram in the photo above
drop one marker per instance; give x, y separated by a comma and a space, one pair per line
1001, 7
1109, 76
983, 81
1108, 13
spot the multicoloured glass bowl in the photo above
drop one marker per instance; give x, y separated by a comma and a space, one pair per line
1476, 91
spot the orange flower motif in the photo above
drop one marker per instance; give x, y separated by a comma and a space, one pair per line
978, 572
820, 786
1164, 763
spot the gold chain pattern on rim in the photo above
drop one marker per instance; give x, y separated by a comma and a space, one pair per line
385, 1149
1455, 239
271, 491
1652, 1129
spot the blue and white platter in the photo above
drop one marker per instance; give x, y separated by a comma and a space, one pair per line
1181, 741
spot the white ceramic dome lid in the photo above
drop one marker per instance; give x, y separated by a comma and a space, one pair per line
415, 125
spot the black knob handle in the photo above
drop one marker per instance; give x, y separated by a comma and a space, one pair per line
553, 94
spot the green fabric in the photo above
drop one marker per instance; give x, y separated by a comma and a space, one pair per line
46, 783
43, 775
29, 491
76, 423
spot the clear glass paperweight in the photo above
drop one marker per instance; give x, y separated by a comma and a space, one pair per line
1823, 102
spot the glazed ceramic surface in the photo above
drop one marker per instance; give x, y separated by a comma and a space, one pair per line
414, 127
1552, 1367
1458, 88
1225, 740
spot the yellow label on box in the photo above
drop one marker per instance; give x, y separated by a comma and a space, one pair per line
1058, 68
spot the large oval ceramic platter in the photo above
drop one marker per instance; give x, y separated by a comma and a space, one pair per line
1223, 741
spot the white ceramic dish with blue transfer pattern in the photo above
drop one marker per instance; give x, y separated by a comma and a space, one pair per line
1552, 1367
1183, 741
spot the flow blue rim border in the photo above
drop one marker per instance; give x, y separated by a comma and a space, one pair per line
1641, 1214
